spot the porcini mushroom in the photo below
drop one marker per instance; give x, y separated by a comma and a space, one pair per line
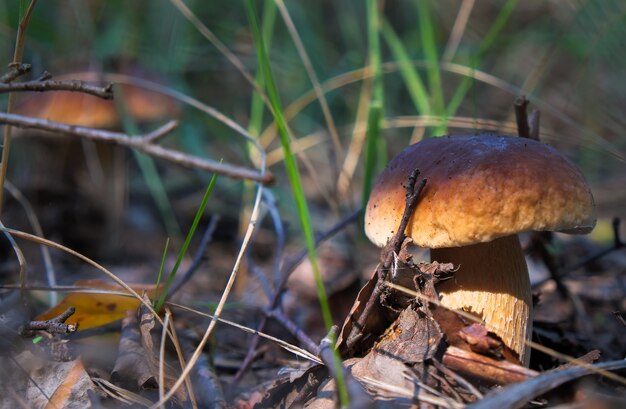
482, 191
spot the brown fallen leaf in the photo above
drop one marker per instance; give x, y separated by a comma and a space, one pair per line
137, 364
133, 369
291, 390
49, 384
413, 338
471, 337
481, 341
355, 339
69, 390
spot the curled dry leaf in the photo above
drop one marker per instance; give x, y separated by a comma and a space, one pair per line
374, 324
133, 369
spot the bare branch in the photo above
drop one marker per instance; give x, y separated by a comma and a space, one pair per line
159, 133
15, 72
55, 325
521, 116
141, 143
527, 126
39, 85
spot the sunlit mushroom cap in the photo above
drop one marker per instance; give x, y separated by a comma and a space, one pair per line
480, 187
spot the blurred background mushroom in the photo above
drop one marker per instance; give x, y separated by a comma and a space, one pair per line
482, 191
90, 179
76, 108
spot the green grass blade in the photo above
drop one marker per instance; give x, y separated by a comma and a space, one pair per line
296, 183
185, 246
160, 275
429, 45
23, 7
415, 86
290, 162
373, 29
372, 137
375, 112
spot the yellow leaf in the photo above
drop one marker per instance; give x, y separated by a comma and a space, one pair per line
94, 310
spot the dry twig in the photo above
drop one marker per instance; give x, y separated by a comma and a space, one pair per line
143, 143
485, 368
55, 325
527, 127
15, 72
39, 85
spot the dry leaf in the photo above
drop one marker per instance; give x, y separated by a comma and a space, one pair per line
94, 310
481, 341
48, 384
133, 369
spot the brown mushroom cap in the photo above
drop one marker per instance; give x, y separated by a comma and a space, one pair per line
76, 108
480, 187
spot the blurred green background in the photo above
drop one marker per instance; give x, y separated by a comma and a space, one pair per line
567, 57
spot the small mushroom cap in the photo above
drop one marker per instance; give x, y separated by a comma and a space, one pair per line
480, 187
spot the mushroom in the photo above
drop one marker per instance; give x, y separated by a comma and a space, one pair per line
76, 108
482, 191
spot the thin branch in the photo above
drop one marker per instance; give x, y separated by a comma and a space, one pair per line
15, 72
299, 352
161, 132
413, 190
485, 368
55, 325
521, 116
290, 264
357, 395
105, 92
142, 143
272, 208
293, 328
15, 64
393, 247
207, 387
22, 263
618, 244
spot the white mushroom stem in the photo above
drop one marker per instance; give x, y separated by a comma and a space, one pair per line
492, 283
